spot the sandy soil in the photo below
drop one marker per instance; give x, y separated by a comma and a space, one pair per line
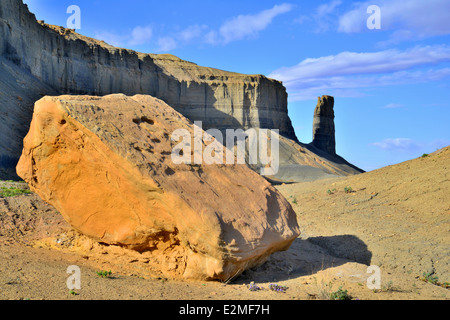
397, 218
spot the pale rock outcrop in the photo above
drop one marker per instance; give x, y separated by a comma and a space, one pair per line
105, 164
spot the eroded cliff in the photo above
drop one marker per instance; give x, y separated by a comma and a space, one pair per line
37, 59
69, 63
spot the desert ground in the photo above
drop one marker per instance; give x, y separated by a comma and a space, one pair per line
396, 218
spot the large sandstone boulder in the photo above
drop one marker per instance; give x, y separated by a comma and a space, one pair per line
105, 164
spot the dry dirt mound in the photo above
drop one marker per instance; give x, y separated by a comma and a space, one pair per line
383, 221
400, 213
26, 218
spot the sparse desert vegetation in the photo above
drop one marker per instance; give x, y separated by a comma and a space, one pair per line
11, 188
92, 129
341, 235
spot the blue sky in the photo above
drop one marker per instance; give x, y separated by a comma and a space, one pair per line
391, 85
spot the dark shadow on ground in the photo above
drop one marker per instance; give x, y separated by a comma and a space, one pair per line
308, 256
344, 246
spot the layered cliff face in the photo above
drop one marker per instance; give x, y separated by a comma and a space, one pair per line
72, 63
65, 62
37, 59
18, 92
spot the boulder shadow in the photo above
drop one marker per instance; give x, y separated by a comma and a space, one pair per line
306, 257
346, 246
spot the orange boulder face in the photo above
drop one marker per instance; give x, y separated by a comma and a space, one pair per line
105, 164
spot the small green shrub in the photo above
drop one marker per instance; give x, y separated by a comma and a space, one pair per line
433, 279
389, 286
6, 192
340, 295
104, 274
294, 199
429, 277
72, 292
348, 189
425, 155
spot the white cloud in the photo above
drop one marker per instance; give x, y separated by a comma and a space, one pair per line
111, 38
192, 32
212, 37
183, 37
357, 86
235, 29
244, 26
347, 63
407, 19
140, 35
322, 15
238, 28
328, 8
393, 106
407, 145
347, 71
166, 44
397, 144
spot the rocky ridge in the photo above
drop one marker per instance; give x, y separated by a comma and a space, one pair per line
70, 63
